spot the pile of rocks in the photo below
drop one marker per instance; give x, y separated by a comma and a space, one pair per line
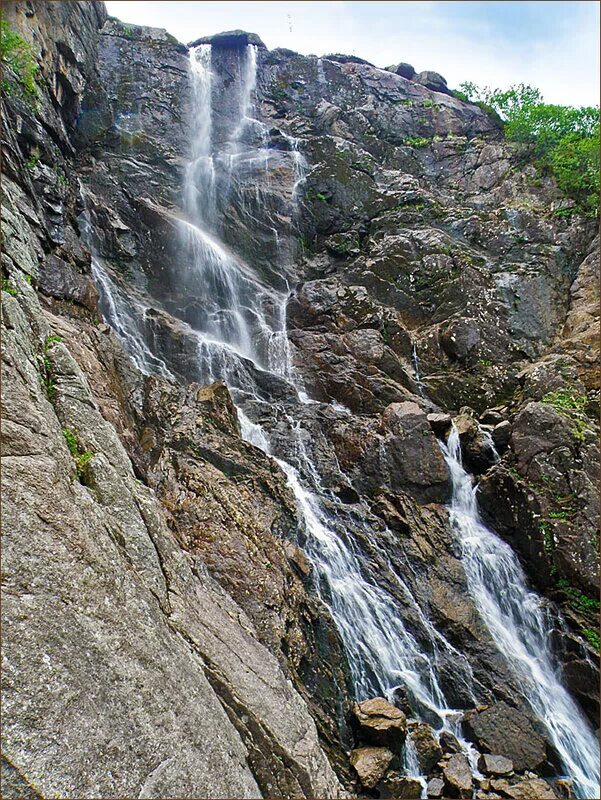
511, 749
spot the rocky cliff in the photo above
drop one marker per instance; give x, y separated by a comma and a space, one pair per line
166, 629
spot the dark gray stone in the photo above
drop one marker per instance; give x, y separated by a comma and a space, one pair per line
230, 40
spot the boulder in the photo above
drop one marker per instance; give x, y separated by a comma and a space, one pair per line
411, 454
491, 417
402, 787
404, 70
370, 764
458, 776
475, 444
440, 423
449, 743
529, 789
236, 40
381, 723
501, 434
427, 748
433, 81
495, 765
435, 788
343, 58
460, 339
505, 731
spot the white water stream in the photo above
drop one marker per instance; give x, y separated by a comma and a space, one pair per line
516, 618
241, 331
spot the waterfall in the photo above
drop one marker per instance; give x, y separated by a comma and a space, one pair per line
237, 313
516, 619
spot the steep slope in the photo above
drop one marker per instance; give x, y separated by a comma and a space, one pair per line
409, 268
127, 670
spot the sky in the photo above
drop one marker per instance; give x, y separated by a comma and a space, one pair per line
553, 45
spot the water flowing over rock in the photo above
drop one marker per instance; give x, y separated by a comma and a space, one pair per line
239, 534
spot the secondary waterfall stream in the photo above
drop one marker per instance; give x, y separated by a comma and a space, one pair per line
239, 322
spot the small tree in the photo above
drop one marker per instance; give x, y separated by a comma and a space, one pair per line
562, 140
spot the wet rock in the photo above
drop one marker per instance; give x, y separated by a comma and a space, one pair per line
61, 280
435, 787
458, 776
501, 434
475, 447
429, 752
440, 423
381, 723
230, 39
449, 743
564, 788
433, 81
495, 765
402, 787
504, 730
412, 455
371, 764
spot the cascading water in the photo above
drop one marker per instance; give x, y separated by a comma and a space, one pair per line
382, 653
237, 313
517, 621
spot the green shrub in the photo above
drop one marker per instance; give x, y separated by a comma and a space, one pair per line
563, 141
592, 636
570, 404
18, 56
8, 288
578, 600
34, 157
417, 141
81, 457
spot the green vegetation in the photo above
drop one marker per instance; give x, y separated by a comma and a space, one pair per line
50, 340
592, 636
17, 56
578, 600
417, 141
571, 404
46, 371
563, 141
548, 540
81, 457
34, 157
7, 287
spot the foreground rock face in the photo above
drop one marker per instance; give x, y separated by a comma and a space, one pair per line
112, 620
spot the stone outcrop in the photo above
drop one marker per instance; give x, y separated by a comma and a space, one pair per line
502, 730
